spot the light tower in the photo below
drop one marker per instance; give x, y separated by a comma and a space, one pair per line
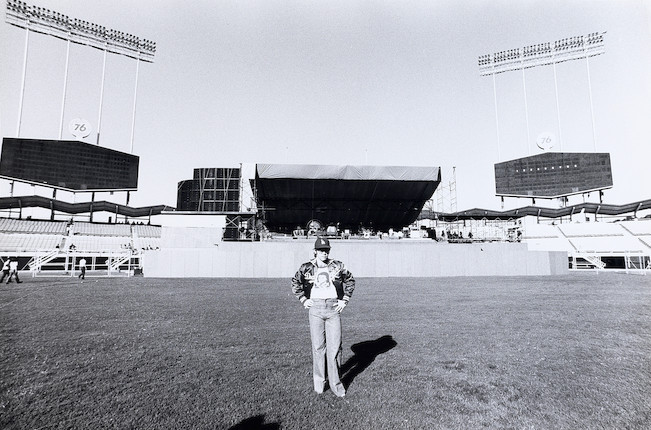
73, 30
543, 54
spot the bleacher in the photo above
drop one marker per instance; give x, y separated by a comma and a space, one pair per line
11, 225
146, 237
592, 237
591, 229
545, 237
51, 246
142, 230
25, 236
639, 228
98, 243
92, 229
146, 243
28, 242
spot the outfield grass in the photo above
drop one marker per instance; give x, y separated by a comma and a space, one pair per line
568, 352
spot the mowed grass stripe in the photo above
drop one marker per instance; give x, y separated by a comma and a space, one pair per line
499, 352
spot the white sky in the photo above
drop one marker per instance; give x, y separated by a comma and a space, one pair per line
341, 82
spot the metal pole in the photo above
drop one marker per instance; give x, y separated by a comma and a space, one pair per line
497, 123
135, 98
22, 85
11, 194
453, 193
101, 97
65, 86
54, 196
558, 110
526, 111
240, 202
594, 134
128, 198
92, 200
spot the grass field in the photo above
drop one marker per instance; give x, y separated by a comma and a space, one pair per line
568, 352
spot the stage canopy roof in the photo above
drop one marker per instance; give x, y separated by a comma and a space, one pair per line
377, 197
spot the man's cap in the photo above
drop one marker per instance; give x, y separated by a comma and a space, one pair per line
322, 243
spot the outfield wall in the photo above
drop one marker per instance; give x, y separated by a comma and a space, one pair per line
192, 253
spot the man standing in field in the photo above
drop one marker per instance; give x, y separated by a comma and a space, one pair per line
324, 287
82, 268
13, 271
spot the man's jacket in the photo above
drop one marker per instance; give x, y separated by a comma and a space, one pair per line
342, 279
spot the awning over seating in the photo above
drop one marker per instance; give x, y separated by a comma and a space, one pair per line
378, 197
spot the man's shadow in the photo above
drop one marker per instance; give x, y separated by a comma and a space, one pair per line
364, 354
255, 423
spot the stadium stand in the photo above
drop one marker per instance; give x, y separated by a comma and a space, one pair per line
146, 243
641, 229
99, 243
638, 227
590, 229
32, 226
594, 237
621, 245
28, 242
142, 230
56, 245
92, 229
545, 237
601, 237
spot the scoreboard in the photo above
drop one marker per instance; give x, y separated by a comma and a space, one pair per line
68, 165
553, 174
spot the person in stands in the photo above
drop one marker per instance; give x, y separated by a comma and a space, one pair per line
324, 287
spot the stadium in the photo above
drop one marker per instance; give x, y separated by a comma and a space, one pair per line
534, 316
225, 214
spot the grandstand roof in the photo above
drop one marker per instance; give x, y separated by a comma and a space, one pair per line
380, 197
593, 208
78, 208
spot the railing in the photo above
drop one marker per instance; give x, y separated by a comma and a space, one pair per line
115, 264
66, 263
37, 262
629, 262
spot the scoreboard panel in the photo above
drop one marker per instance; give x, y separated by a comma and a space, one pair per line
68, 165
553, 174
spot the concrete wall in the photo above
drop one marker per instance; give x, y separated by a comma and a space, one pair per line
371, 258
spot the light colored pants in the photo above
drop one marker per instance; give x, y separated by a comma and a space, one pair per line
325, 332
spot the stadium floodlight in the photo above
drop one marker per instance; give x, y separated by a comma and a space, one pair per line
542, 54
73, 30
56, 24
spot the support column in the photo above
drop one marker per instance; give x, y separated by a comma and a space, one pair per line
65, 87
22, 84
135, 98
101, 96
